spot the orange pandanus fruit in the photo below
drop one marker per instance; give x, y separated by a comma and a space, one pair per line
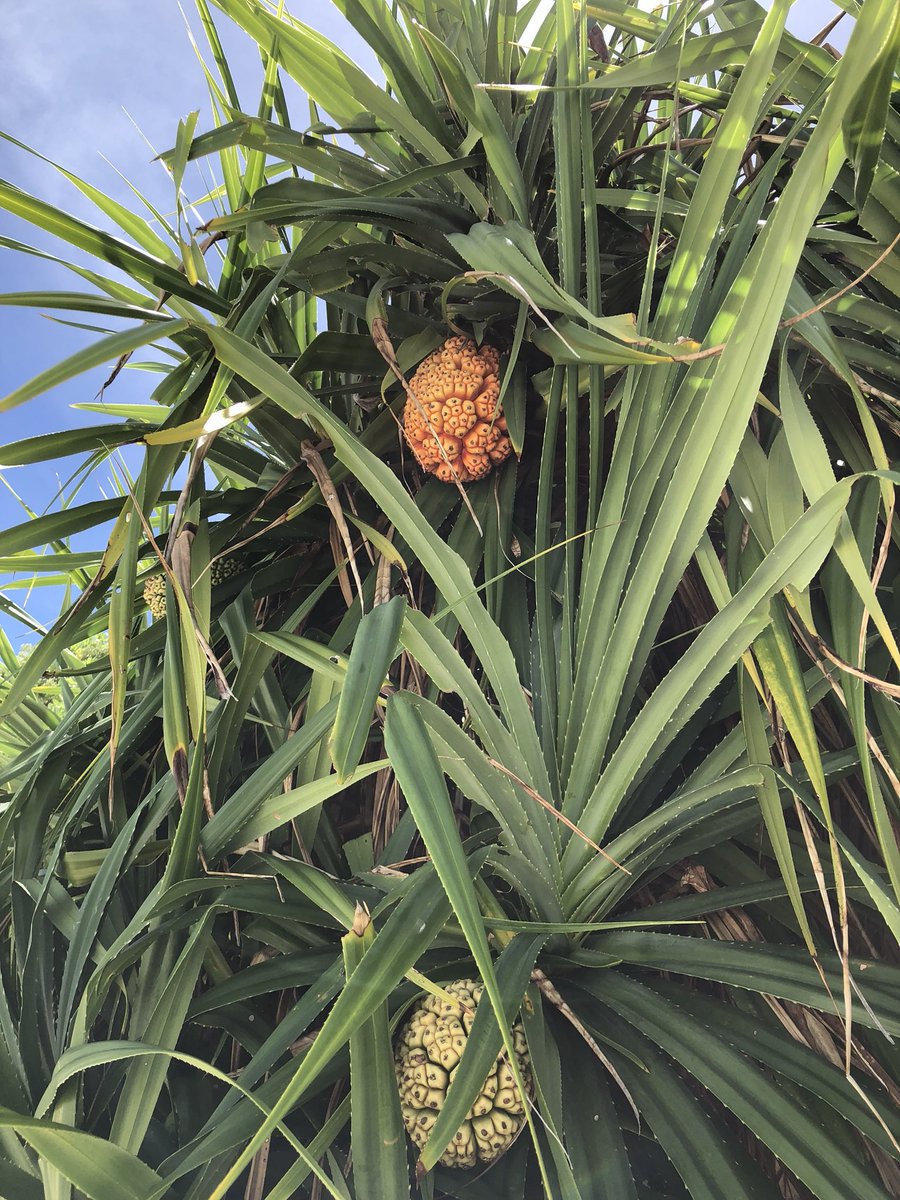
453, 420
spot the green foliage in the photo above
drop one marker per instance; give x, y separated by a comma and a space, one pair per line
614, 728
54, 694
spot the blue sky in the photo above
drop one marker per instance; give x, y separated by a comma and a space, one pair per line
99, 86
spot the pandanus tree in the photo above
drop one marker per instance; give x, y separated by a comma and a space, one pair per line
528, 778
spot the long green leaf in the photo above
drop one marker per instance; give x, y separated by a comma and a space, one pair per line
803, 1145
864, 124
135, 263
100, 1169
774, 970
420, 776
374, 649
377, 1141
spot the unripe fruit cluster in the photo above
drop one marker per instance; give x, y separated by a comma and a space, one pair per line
426, 1058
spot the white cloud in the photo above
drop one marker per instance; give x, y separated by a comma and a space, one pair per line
66, 82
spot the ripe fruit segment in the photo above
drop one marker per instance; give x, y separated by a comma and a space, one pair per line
426, 1057
453, 420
